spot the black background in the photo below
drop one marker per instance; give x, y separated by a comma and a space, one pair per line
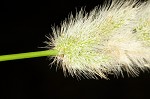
24, 25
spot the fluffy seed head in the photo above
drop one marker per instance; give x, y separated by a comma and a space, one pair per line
108, 40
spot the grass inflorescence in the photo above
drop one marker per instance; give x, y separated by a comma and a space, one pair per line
110, 39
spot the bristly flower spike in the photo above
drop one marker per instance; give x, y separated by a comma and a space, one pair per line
105, 41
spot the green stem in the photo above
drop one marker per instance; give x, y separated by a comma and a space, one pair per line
28, 55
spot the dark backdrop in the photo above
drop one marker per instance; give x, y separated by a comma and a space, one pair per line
24, 25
